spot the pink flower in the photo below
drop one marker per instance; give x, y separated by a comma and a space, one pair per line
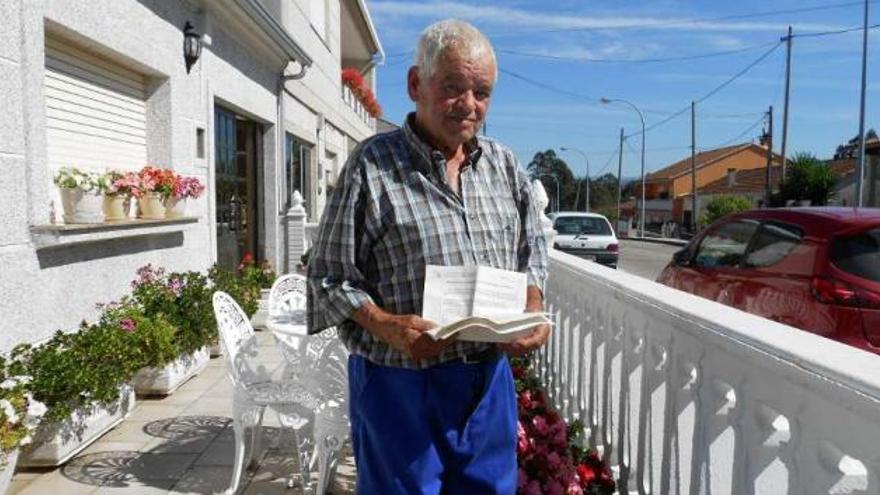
175, 284
540, 425
127, 324
533, 488
553, 461
522, 479
554, 488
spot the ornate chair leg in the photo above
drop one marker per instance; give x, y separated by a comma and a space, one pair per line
238, 427
256, 438
328, 450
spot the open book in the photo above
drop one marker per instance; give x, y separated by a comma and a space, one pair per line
477, 303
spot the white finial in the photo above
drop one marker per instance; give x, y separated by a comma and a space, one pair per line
542, 201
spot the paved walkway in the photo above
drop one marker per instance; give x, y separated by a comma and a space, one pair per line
182, 443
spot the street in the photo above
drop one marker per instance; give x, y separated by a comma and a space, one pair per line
646, 259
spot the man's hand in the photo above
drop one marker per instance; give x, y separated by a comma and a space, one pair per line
538, 336
527, 343
406, 333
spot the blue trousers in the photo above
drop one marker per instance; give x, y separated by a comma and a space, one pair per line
449, 429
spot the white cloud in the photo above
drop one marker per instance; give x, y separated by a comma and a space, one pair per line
520, 18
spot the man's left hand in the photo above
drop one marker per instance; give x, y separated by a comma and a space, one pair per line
527, 343
538, 336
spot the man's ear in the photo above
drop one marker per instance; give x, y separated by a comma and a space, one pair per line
413, 83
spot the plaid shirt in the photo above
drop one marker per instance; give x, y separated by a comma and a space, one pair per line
392, 213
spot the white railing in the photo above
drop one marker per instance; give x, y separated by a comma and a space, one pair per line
686, 396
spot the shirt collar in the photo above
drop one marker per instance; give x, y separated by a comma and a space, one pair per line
430, 158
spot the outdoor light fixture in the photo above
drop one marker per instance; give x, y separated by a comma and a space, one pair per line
192, 45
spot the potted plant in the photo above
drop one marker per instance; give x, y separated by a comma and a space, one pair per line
81, 195
184, 299
82, 378
121, 186
257, 279
20, 414
184, 188
156, 185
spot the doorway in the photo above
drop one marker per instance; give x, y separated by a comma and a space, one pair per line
236, 200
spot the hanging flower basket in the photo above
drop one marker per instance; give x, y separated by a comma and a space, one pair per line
361, 90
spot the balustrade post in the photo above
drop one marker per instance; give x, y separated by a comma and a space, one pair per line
295, 223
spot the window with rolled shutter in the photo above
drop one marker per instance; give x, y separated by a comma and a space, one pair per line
95, 110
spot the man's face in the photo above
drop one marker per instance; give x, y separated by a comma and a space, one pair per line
452, 104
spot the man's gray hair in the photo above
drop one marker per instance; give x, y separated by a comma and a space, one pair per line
454, 35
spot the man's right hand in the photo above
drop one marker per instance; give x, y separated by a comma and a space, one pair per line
406, 333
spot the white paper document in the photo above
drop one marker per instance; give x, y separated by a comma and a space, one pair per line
477, 303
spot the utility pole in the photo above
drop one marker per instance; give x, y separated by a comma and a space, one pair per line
788, 40
619, 178
693, 167
769, 140
860, 166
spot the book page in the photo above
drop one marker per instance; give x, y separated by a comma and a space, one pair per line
499, 293
449, 293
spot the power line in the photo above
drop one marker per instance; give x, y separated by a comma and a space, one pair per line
743, 133
545, 86
696, 20
714, 91
830, 33
636, 61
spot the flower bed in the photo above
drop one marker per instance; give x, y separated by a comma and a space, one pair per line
550, 457
56, 442
166, 379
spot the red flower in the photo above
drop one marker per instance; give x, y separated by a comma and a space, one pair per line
586, 474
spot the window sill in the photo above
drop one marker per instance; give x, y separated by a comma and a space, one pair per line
53, 235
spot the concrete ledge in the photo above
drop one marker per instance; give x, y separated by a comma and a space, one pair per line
51, 235
658, 240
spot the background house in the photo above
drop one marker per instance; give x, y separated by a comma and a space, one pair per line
844, 169
261, 113
666, 189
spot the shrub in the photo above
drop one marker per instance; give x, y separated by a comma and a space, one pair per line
183, 298
76, 369
807, 178
151, 339
20, 412
722, 206
549, 458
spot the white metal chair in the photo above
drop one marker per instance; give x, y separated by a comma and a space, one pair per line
320, 363
255, 390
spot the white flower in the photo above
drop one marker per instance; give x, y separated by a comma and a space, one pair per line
36, 409
26, 440
8, 384
9, 410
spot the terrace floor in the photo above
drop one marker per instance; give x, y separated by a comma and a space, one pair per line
182, 443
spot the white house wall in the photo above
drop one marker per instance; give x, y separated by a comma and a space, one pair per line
43, 290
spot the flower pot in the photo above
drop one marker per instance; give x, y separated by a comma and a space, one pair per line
164, 380
82, 206
258, 320
152, 207
7, 470
175, 207
55, 443
215, 349
116, 207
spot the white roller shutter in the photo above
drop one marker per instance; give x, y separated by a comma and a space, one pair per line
95, 111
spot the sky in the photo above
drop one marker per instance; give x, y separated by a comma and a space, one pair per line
550, 82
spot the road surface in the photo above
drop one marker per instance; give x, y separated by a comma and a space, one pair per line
646, 259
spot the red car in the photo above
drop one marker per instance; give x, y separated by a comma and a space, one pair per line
812, 268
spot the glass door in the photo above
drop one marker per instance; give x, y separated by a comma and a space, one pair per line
236, 187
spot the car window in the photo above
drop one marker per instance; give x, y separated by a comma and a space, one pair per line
726, 244
858, 254
772, 244
581, 225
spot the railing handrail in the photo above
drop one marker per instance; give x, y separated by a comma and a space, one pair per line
851, 367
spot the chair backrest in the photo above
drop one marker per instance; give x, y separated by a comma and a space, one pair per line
287, 298
235, 332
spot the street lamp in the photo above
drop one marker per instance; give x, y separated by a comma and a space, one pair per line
642, 117
548, 174
564, 148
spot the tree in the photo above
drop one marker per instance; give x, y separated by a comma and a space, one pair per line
807, 178
547, 162
722, 206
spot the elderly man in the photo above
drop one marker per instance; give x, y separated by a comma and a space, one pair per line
428, 417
